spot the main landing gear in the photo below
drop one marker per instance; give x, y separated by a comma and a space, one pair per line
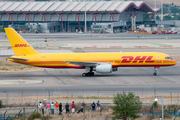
90, 73
155, 71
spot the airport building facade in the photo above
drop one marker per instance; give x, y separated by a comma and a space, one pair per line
70, 16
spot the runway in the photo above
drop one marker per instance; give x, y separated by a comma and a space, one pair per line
90, 36
70, 82
126, 79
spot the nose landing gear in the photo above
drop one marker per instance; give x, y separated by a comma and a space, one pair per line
155, 71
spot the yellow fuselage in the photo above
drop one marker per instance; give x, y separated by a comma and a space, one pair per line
125, 59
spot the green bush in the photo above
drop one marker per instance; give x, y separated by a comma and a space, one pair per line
173, 105
166, 110
47, 117
34, 116
18, 118
4, 68
1, 103
155, 104
1, 29
166, 115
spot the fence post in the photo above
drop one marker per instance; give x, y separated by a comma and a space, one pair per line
171, 97
62, 118
151, 110
24, 111
19, 113
175, 110
152, 116
5, 114
84, 118
106, 117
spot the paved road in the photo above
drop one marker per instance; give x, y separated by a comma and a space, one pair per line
92, 37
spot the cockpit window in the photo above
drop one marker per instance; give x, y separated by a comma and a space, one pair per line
169, 58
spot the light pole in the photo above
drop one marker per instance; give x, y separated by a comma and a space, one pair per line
155, 9
161, 10
48, 92
162, 106
85, 17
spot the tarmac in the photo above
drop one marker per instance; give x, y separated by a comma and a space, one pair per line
69, 82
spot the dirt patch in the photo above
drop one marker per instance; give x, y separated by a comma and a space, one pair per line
7, 66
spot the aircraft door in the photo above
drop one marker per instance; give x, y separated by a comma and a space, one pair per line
158, 58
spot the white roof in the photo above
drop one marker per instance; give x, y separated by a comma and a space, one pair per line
29, 6
54, 6
37, 6
13, 6
5, 6
105, 6
21, 6
45, 6
71, 6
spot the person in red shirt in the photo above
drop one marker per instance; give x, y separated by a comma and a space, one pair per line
73, 107
56, 108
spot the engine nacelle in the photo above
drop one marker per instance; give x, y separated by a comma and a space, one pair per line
104, 68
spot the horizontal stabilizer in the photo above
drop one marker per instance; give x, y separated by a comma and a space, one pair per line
18, 59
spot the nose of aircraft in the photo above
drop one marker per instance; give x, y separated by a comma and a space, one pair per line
173, 62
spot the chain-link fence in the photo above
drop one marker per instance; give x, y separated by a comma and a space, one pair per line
146, 95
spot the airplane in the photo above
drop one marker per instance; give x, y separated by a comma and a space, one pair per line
99, 62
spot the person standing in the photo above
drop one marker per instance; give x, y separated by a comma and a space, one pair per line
98, 106
40, 107
52, 108
156, 100
93, 105
60, 108
73, 107
67, 108
56, 108
48, 108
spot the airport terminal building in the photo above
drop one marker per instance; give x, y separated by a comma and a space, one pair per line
70, 16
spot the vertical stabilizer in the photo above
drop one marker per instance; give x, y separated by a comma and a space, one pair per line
19, 45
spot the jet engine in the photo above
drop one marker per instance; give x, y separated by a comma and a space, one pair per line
104, 68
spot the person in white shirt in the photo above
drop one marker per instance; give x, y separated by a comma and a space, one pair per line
40, 105
156, 99
52, 108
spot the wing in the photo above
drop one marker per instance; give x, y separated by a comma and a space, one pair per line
92, 64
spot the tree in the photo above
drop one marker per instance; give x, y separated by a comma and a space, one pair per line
126, 105
1, 103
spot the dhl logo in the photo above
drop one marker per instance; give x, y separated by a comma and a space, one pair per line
21, 45
137, 59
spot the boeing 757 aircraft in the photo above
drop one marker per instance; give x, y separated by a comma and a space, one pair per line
99, 62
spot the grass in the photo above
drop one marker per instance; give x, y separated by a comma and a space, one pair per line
22, 68
4, 68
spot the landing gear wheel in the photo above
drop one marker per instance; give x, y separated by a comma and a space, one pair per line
154, 74
88, 74
84, 74
92, 73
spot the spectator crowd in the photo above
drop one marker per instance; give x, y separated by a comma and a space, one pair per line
57, 108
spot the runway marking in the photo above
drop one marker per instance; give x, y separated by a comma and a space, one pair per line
150, 77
